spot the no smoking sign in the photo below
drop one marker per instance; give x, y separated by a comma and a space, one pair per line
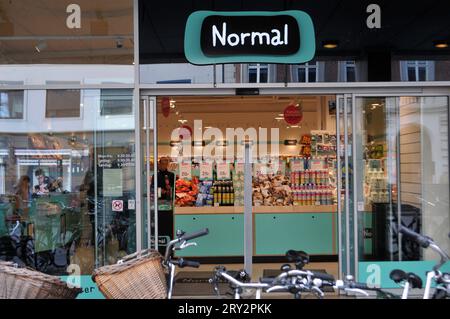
117, 205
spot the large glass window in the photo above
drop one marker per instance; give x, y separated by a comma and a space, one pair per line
402, 164
82, 32
67, 185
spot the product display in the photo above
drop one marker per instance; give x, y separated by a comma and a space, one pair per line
272, 190
238, 186
186, 192
223, 193
205, 195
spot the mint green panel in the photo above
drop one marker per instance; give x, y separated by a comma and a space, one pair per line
225, 238
377, 272
277, 233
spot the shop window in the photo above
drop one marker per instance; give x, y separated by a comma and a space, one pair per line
60, 177
116, 102
11, 105
417, 71
308, 72
258, 73
62, 103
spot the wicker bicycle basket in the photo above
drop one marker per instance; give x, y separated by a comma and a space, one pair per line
137, 276
25, 283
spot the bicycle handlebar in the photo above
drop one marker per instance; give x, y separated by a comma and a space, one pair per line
426, 242
420, 239
197, 234
186, 263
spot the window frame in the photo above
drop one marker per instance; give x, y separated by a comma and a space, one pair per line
405, 65
24, 104
306, 66
81, 109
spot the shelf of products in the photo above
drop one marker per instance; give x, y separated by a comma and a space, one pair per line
304, 180
256, 209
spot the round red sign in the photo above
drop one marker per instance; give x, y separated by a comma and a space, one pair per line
292, 115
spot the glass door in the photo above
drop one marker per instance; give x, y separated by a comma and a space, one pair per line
402, 178
148, 168
344, 129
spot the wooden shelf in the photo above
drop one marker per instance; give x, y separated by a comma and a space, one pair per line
256, 210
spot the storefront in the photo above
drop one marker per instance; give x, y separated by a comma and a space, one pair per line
347, 140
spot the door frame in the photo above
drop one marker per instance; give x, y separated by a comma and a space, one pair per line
347, 90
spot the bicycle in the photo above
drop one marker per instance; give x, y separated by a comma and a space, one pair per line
170, 263
442, 280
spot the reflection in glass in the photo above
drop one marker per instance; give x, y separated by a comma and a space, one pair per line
11, 104
67, 187
403, 169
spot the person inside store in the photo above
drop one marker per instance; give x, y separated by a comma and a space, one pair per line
23, 197
45, 183
165, 181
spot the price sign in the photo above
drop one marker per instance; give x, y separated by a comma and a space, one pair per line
185, 171
317, 164
206, 171
239, 168
296, 166
223, 170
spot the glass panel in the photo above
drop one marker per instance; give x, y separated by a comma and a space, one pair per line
412, 73
263, 74
312, 72
67, 187
403, 178
351, 74
301, 75
424, 175
62, 103
116, 102
252, 75
11, 104
55, 32
422, 73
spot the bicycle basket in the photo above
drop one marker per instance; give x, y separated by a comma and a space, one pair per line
25, 283
136, 276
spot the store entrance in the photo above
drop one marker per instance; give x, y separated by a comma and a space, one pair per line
198, 140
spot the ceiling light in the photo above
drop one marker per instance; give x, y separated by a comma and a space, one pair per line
331, 44
40, 46
279, 118
290, 142
440, 44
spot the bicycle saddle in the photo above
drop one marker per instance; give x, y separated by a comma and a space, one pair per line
397, 275
414, 280
297, 256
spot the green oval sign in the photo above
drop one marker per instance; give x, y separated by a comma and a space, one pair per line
213, 37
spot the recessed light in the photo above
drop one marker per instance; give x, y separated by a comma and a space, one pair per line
331, 44
440, 44
290, 142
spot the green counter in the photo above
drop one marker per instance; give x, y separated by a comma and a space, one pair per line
274, 233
